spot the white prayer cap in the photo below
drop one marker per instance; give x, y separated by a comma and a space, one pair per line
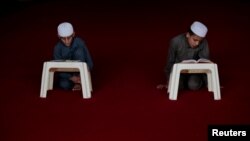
199, 29
65, 29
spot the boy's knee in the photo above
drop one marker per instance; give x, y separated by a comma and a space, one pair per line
65, 84
194, 82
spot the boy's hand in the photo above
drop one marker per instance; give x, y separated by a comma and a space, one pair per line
76, 79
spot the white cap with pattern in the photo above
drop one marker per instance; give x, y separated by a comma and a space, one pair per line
65, 29
199, 29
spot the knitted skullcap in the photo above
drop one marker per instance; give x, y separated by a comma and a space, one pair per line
199, 29
65, 29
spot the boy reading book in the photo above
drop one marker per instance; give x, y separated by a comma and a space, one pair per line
189, 45
70, 48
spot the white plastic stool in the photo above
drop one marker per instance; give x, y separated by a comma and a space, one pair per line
209, 68
65, 66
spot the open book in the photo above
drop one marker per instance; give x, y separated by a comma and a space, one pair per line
65, 60
201, 60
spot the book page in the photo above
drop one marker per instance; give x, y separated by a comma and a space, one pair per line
65, 60
73, 60
189, 61
57, 60
203, 60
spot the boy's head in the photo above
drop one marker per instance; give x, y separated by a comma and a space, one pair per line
196, 33
65, 33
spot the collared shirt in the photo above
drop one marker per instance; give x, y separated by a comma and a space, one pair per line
180, 50
77, 51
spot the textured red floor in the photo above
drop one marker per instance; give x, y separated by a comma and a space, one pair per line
128, 43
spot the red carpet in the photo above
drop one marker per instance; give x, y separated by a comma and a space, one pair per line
129, 44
